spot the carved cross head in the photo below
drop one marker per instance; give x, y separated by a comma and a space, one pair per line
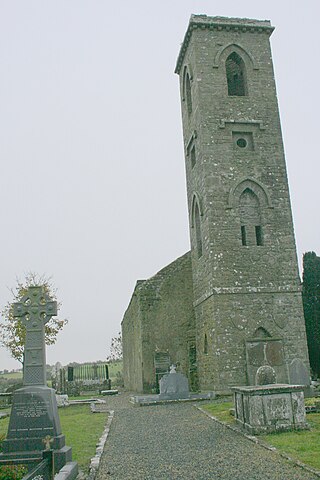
35, 307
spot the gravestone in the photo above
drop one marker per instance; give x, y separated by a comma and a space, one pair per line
299, 375
62, 386
34, 418
267, 351
174, 386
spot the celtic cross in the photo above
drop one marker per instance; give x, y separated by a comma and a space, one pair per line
35, 309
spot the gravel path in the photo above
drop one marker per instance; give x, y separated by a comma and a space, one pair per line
179, 442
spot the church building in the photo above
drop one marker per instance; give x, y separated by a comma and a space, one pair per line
233, 303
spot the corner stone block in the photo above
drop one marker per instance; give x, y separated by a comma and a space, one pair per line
299, 411
256, 411
239, 406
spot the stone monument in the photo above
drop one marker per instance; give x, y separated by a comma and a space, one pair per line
34, 420
174, 386
270, 408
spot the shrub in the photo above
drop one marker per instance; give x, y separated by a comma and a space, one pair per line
11, 472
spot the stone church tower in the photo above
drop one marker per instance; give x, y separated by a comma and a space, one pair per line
247, 298
235, 303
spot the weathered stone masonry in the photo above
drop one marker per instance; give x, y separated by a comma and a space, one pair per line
246, 287
159, 324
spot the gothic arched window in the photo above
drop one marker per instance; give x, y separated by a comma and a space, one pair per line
236, 75
250, 218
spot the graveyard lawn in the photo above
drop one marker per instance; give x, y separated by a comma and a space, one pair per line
81, 428
300, 445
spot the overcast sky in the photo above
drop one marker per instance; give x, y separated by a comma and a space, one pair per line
92, 184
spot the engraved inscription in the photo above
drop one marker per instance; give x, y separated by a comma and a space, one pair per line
31, 410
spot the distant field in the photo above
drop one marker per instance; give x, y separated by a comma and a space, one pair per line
114, 368
11, 376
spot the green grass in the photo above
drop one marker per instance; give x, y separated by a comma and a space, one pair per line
221, 411
301, 445
4, 422
11, 376
81, 428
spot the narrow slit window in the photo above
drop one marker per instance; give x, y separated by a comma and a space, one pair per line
243, 235
193, 156
198, 230
205, 346
259, 238
188, 94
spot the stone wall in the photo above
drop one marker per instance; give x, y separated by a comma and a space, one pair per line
160, 318
132, 344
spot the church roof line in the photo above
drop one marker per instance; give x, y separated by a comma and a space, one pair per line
220, 23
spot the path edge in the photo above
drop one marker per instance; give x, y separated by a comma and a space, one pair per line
95, 461
263, 444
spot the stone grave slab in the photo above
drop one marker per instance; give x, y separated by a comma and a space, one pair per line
267, 351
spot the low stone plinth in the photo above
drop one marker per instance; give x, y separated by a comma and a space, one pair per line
147, 400
109, 392
270, 408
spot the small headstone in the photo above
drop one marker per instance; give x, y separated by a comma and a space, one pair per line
298, 373
62, 400
266, 375
174, 385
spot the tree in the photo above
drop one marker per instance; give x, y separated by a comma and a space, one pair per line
12, 330
115, 349
311, 306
